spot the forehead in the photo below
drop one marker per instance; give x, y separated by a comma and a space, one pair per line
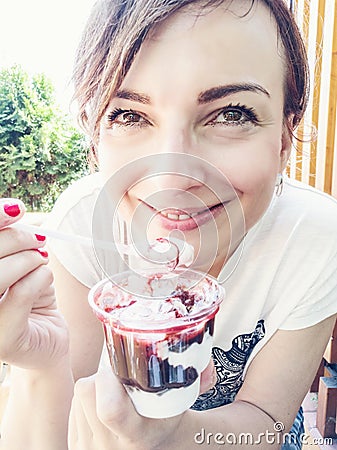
245, 14
214, 45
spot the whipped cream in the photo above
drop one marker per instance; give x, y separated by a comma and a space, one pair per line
161, 298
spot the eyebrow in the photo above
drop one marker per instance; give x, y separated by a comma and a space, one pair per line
207, 96
134, 96
218, 92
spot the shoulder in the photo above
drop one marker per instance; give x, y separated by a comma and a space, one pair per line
72, 214
307, 209
297, 234
77, 200
82, 190
309, 199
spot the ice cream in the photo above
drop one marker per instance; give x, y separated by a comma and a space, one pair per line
159, 340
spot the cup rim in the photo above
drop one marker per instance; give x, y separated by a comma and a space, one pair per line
159, 325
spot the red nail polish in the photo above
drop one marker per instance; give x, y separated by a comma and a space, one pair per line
40, 238
12, 210
42, 253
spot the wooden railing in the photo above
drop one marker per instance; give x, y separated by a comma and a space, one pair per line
315, 161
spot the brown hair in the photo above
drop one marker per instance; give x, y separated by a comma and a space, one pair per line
116, 30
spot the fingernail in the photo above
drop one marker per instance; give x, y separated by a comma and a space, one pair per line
42, 252
12, 210
40, 238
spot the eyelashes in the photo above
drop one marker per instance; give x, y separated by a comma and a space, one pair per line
115, 113
235, 115
125, 117
232, 115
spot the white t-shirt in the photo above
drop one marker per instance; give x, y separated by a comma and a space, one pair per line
283, 275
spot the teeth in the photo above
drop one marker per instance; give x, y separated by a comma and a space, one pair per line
177, 216
183, 217
172, 216
180, 216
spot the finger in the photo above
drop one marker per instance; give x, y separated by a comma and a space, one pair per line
13, 241
80, 433
14, 267
35, 289
115, 408
85, 391
73, 437
16, 306
11, 210
208, 377
24, 293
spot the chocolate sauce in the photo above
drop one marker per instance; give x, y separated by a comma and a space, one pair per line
136, 361
180, 345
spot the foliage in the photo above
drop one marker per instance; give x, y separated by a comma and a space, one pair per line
41, 152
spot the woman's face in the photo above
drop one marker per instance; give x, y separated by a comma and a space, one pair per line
206, 93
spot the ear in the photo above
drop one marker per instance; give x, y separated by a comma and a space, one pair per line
286, 144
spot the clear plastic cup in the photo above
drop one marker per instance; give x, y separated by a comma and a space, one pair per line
159, 329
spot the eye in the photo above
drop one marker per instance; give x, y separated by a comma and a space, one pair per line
235, 116
231, 116
122, 117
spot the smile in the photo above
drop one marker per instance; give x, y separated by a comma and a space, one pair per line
174, 219
178, 215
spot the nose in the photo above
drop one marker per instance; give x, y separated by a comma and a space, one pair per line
177, 164
174, 181
178, 170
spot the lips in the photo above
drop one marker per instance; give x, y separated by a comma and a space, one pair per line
172, 219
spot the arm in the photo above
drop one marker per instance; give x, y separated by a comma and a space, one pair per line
37, 412
34, 338
85, 331
275, 385
276, 382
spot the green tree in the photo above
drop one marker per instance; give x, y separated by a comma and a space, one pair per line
41, 152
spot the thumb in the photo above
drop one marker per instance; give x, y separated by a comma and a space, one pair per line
114, 407
11, 210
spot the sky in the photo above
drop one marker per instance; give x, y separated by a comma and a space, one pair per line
41, 36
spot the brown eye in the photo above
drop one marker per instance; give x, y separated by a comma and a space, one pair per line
124, 118
232, 116
235, 115
130, 117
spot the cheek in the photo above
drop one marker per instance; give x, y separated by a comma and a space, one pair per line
255, 182
108, 154
111, 157
254, 169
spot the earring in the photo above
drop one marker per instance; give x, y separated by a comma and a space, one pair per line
279, 184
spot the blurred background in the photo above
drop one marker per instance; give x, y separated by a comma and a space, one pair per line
42, 36
41, 148
315, 160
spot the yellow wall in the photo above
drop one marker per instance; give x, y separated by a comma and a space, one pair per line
315, 162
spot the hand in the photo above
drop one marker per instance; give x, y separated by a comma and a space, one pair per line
33, 334
103, 417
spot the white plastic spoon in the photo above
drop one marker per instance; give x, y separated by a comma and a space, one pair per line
184, 256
